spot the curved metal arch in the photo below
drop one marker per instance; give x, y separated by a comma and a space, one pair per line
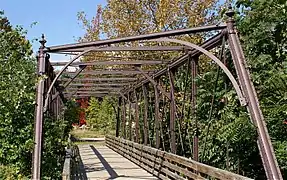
215, 59
59, 74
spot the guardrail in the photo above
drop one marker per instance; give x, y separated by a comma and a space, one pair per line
66, 174
167, 165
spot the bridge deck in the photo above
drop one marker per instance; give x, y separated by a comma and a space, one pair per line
100, 162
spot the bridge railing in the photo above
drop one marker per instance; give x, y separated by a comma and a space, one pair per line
167, 165
66, 174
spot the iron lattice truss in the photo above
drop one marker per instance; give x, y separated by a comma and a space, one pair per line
115, 67
124, 66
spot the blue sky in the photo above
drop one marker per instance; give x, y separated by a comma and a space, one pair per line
57, 19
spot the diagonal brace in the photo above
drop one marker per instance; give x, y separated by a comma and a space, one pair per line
69, 82
153, 82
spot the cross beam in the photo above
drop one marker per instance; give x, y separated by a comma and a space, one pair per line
92, 92
94, 88
101, 79
109, 72
110, 63
70, 47
139, 48
100, 85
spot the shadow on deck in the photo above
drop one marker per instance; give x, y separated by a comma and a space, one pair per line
100, 162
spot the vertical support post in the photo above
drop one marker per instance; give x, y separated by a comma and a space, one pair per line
136, 116
130, 117
118, 117
36, 166
194, 66
156, 109
124, 119
264, 143
172, 112
145, 114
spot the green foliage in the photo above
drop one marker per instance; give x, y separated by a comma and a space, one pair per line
17, 108
10, 173
55, 140
17, 95
101, 115
263, 27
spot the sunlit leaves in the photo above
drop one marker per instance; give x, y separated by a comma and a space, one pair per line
101, 115
17, 94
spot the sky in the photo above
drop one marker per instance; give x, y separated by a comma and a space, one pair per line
57, 19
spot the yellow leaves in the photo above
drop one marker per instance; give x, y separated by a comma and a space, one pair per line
132, 17
121, 18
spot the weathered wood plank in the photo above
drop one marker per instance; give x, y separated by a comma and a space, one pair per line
167, 163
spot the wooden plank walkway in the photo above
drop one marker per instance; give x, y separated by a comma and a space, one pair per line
99, 162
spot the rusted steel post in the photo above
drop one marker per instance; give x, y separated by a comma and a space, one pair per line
264, 143
145, 114
194, 69
124, 119
36, 166
118, 117
136, 116
130, 116
156, 109
172, 112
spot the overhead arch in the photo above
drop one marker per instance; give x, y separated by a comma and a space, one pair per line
215, 59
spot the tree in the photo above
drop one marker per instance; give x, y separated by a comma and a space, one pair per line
101, 115
263, 28
92, 113
17, 108
17, 95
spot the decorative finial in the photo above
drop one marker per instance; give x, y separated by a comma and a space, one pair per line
230, 13
42, 41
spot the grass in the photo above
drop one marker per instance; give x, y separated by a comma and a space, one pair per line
86, 133
79, 133
98, 143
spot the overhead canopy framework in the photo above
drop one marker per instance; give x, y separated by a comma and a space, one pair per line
114, 63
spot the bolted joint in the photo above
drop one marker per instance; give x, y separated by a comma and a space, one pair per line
47, 56
42, 41
81, 66
230, 21
230, 13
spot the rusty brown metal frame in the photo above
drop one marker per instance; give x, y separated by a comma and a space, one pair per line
118, 117
68, 82
110, 72
137, 126
138, 48
245, 90
117, 84
101, 63
194, 70
172, 112
157, 117
70, 47
116, 79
